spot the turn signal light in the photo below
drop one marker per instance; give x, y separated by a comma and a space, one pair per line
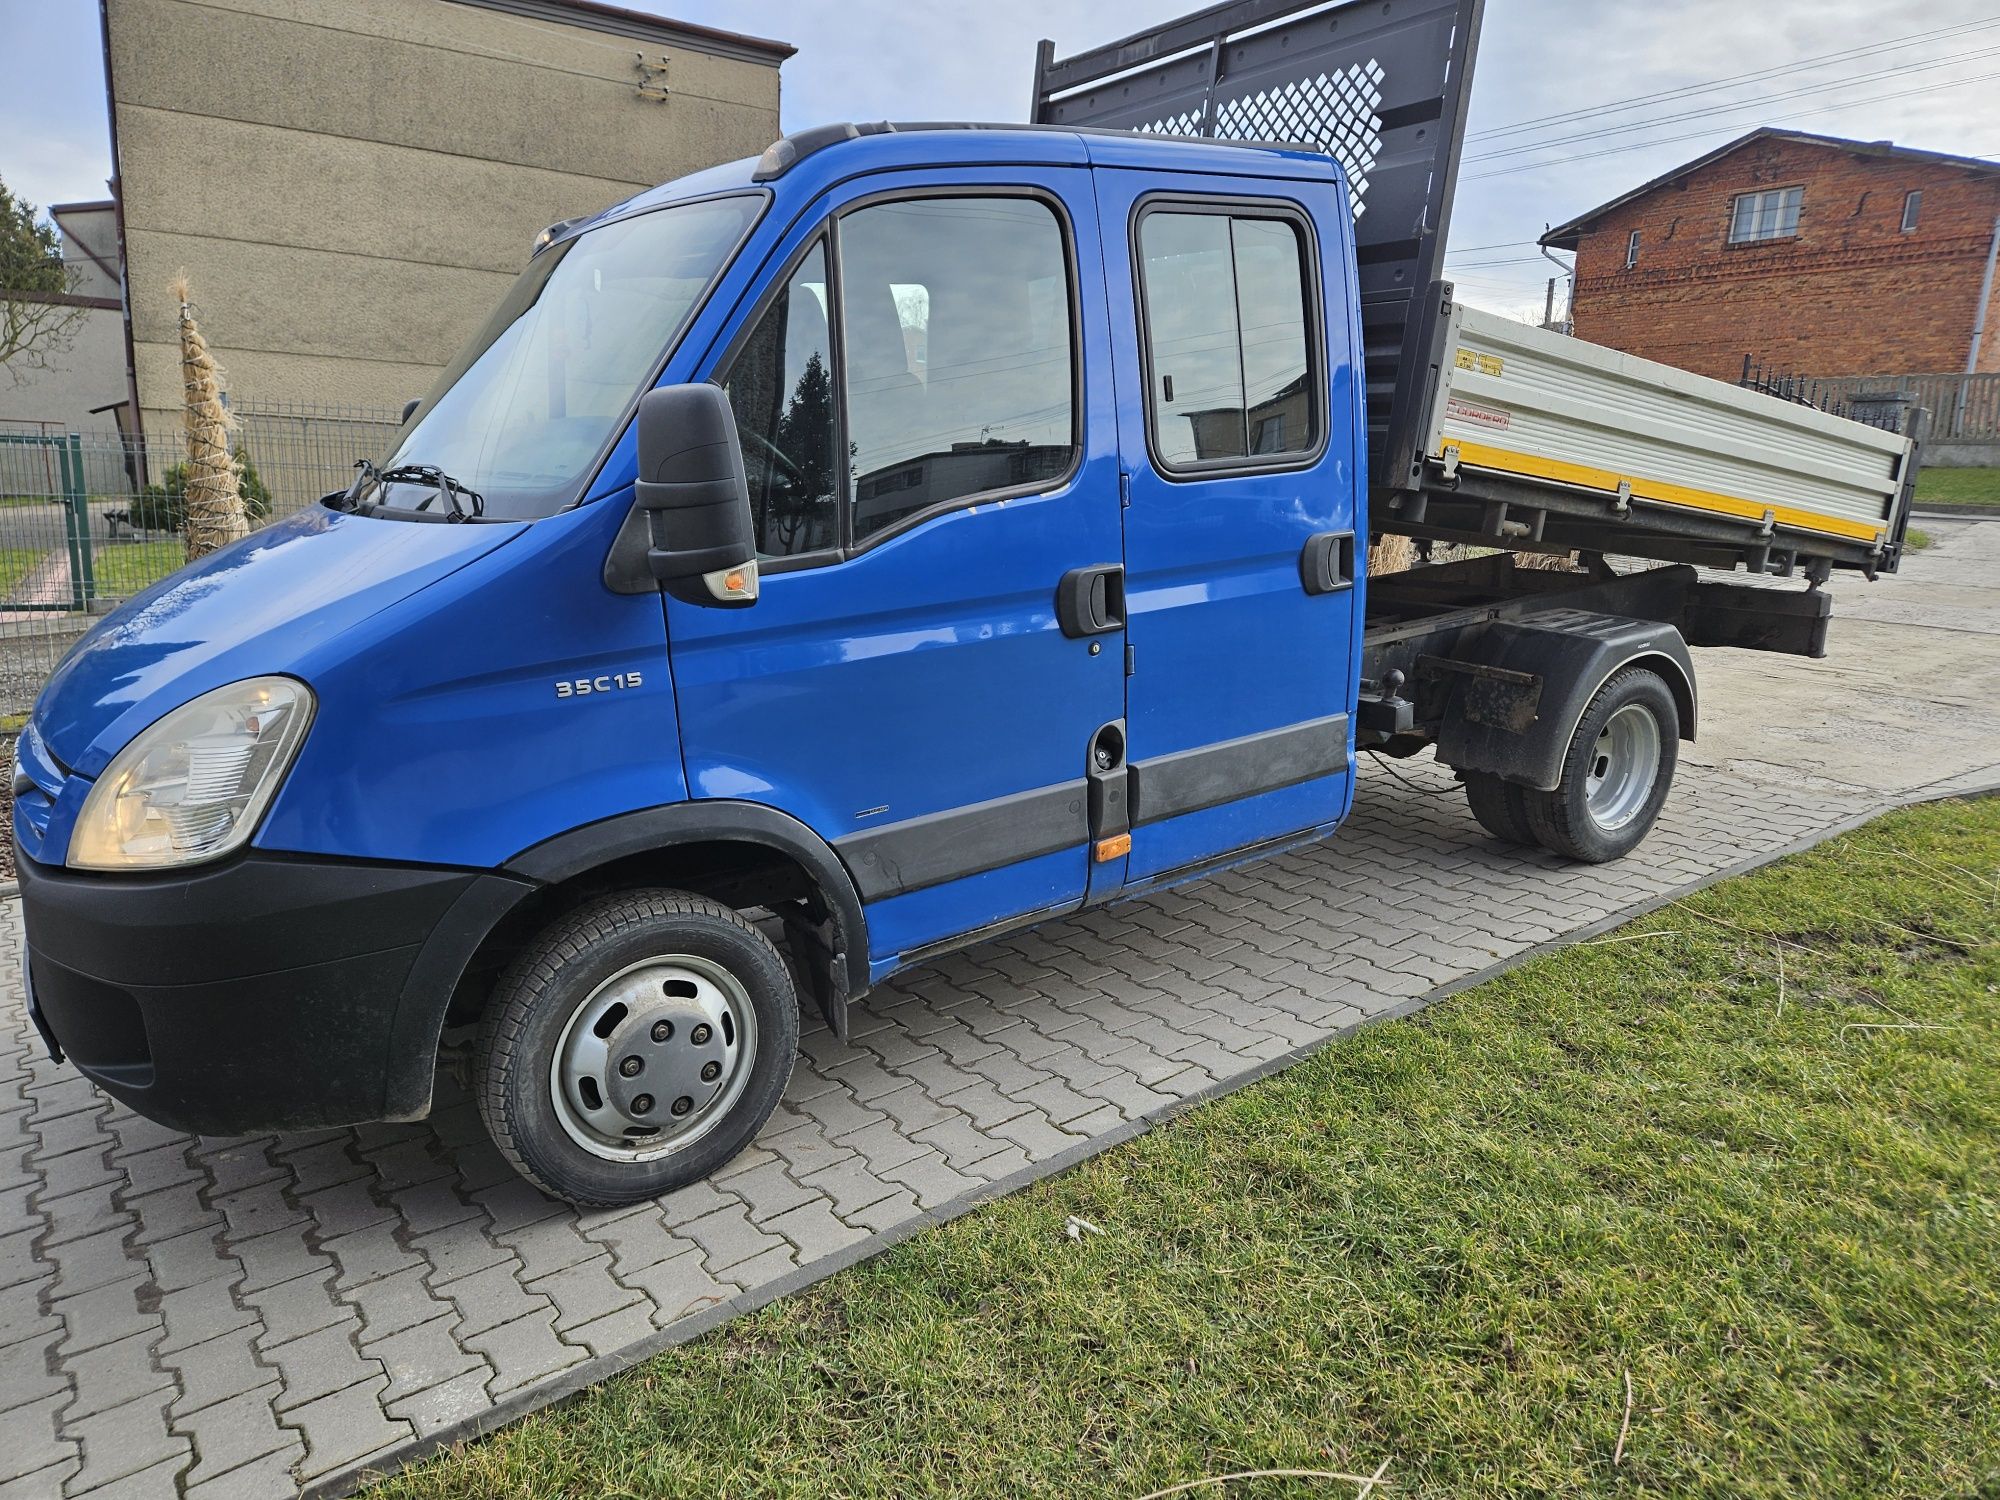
1116, 847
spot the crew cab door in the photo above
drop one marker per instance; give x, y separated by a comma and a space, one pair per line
924, 406
1237, 420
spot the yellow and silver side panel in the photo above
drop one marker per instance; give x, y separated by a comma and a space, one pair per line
1541, 405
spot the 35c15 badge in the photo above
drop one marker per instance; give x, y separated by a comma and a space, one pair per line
583, 687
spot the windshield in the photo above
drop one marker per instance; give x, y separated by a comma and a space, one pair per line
520, 417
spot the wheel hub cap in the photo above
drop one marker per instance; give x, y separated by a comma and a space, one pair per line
1623, 767
653, 1058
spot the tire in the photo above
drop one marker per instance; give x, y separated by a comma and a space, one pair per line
673, 983
1615, 774
1499, 807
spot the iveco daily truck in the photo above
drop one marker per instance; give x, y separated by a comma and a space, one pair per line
913, 533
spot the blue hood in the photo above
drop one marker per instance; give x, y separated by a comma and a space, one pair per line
259, 605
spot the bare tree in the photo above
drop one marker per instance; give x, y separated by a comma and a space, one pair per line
39, 310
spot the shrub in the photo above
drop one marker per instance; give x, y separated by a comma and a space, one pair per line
163, 506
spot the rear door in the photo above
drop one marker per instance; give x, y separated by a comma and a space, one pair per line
914, 387
1237, 428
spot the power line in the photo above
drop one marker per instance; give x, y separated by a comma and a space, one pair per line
1755, 105
1686, 90
1536, 166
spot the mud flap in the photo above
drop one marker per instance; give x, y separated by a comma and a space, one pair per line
812, 943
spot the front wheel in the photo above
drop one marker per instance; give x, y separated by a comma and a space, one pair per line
635, 1046
1615, 774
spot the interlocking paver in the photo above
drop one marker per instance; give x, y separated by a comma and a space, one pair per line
216, 1370
813, 1230
28, 1368
727, 1237
424, 1356
583, 1292
123, 1440
439, 1406
292, 1309
256, 1480
487, 1298
262, 1310
318, 1364
346, 1427
113, 1374
678, 1287
524, 1350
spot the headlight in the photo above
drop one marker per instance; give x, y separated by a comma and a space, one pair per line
195, 784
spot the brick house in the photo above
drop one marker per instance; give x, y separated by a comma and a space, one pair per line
1810, 253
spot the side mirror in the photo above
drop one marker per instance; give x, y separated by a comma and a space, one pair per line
694, 492
409, 409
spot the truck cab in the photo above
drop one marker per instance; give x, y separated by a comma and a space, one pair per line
910, 534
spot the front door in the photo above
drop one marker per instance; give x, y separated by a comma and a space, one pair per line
1240, 434
913, 386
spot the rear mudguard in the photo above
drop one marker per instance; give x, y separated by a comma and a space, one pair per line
1515, 720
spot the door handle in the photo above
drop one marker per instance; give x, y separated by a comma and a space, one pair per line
1091, 601
1326, 563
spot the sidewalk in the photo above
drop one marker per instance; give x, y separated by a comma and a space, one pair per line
236, 1317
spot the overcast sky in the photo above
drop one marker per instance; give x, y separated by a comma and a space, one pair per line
1893, 76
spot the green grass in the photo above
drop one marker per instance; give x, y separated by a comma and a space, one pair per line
123, 568
1679, 1152
1959, 486
1916, 540
16, 563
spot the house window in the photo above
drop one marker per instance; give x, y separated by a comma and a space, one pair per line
1632, 250
1913, 204
1772, 215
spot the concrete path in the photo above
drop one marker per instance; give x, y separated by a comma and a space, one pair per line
240, 1317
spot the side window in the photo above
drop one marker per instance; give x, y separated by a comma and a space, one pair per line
781, 387
958, 350
1228, 337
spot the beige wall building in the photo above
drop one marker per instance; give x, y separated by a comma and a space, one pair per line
80, 384
351, 184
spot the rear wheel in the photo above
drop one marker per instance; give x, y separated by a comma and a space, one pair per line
1499, 807
1615, 774
635, 1046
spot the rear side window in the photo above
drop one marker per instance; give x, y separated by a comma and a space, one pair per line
1228, 338
958, 352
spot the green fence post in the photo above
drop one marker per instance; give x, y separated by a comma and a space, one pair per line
72, 484
83, 583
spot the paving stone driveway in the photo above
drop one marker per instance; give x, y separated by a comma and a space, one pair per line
244, 1316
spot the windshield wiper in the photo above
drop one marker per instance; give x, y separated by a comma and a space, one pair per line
455, 493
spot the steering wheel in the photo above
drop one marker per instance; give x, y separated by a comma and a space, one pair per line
776, 455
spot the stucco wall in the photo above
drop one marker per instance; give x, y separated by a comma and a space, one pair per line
351, 184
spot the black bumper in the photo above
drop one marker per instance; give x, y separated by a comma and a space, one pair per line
268, 993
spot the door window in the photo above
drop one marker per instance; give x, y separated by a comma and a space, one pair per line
959, 353
1228, 338
781, 386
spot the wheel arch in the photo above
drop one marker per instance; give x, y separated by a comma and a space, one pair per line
1573, 654
739, 853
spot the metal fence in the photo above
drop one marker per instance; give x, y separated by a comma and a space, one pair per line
1963, 408
88, 519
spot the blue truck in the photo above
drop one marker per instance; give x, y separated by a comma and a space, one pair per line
826, 561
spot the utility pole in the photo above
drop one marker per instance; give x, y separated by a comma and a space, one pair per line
1978, 325
1549, 305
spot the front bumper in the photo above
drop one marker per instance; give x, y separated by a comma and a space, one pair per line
266, 993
